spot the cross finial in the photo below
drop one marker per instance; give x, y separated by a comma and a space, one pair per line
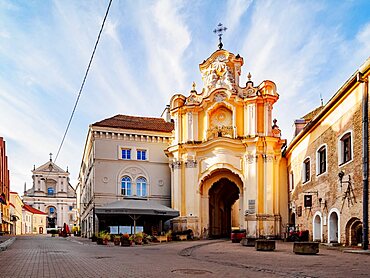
51, 158
219, 31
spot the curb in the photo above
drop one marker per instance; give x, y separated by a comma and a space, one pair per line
6, 244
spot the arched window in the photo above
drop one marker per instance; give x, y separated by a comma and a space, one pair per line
50, 191
51, 210
126, 186
141, 187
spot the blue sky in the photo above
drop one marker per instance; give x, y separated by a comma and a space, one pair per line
151, 50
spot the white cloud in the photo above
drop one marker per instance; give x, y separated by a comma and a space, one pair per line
166, 37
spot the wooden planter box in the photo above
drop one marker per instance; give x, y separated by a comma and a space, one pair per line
161, 238
306, 248
182, 237
265, 245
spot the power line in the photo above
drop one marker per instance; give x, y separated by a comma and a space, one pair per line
84, 80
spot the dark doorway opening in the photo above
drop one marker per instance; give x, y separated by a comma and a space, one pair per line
222, 196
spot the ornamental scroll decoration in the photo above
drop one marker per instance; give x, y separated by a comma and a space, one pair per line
268, 157
218, 75
248, 91
192, 99
251, 158
191, 163
176, 164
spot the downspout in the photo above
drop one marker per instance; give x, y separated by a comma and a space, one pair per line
365, 162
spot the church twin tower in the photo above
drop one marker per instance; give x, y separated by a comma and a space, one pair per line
226, 164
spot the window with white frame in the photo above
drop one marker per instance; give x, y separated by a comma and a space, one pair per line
126, 186
321, 160
306, 171
126, 153
141, 154
345, 148
141, 187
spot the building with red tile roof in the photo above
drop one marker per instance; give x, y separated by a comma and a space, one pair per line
136, 123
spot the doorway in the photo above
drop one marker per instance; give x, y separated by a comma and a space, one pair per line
223, 208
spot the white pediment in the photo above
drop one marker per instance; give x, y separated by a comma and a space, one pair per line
49, 167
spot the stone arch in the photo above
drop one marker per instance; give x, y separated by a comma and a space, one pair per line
354, 231
334, 226
317, 226
221, 202
52, 216
221, 167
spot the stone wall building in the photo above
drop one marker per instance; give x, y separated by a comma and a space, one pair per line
4, 190
52, 193
124, 180
325, 164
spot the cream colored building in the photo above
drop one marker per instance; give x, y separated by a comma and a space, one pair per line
16, 213
124, 176
27, 221
34, 220
52, 193
325, 162
227, 170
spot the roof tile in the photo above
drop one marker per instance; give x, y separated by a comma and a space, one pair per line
134, 122
33, 210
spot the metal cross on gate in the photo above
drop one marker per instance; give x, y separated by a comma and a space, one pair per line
219, 31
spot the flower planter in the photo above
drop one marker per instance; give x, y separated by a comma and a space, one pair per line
265, 245
306, 248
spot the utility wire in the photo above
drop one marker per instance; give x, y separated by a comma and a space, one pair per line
84, 80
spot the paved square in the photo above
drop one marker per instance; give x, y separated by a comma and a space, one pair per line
44, 256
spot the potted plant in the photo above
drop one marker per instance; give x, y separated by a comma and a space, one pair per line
103, 238
116, 240
169, 235
138, 238
125, 240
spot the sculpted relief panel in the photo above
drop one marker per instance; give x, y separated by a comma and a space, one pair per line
221, 117
218, 75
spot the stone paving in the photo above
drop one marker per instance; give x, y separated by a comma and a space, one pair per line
44, 256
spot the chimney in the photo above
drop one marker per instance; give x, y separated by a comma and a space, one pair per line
298, 126
166, 114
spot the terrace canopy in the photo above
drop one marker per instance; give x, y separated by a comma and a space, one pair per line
146, 212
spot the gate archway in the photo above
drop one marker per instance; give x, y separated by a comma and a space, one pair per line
354, 231
222, 198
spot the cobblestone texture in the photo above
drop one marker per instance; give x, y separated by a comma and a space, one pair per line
43, 256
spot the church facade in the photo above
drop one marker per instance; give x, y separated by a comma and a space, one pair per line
52, 194
227, 170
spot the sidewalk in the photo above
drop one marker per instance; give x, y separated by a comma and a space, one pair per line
5, 242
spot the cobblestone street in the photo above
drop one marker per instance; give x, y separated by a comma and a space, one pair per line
44, 256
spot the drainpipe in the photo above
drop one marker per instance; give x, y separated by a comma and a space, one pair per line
365, 163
